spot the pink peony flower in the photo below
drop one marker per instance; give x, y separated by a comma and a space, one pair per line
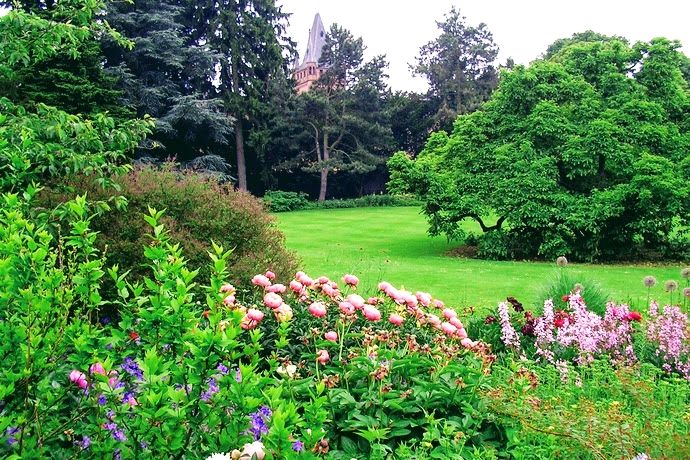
395, 319
424, 298
229, 300
330, 291
261, 280
296, 286
255, 315
467, 343
277, 288
227, 288
317, 309
455, 322
323, 357
351, 280
433, 320
373, 300
305, 280
272, 300
97, 368
331, 336
283, 313
449, 313
438, 304
78, 378
322, 280
254, 450
371, 313
448, 328
270, 275
384, 286
356, 300
462, 333
346, 307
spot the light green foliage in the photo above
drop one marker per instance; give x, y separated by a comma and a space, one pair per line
584, 154
599, 412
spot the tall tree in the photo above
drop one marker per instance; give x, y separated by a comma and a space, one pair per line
345, 125
169, 75
249, 39
459, 66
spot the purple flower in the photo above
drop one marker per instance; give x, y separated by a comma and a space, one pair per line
298, 446
117, 455
223, 369
105, 320
258, 422
10, 433
132, 368
84, 443
119, 435
212, 389
238, 375
102, 400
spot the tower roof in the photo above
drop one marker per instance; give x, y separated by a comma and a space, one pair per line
317, 38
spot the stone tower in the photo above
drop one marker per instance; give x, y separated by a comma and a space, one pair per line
306, 73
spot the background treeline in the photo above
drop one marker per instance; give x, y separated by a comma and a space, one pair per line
216, 76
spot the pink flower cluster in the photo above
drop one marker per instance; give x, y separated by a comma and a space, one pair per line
320, 294
578, 329
668, 330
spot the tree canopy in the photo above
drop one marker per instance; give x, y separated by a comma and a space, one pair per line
584, 154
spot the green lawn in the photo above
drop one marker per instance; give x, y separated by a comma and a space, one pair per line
392, 244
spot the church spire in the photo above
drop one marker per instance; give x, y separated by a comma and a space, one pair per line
317, 38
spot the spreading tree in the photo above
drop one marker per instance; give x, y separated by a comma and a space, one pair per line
585, 154
342, 121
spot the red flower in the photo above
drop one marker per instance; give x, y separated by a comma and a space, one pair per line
565, 298
133, 335
634, 316
559, 321
206, 313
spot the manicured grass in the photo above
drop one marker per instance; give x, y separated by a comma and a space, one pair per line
392, 244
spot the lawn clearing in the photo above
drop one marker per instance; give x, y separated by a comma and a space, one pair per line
392, 244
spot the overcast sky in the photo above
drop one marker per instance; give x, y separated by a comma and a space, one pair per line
521, 29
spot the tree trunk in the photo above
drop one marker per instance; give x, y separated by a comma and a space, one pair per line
324, 171
241, 165
239, 134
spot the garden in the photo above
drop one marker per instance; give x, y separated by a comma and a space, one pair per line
150, 310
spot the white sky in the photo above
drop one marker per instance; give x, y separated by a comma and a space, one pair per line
521, 29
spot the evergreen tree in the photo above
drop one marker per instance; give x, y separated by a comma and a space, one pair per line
248, 37
459, 66
169, 74
345, 126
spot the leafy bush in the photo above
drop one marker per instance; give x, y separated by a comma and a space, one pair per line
599, 412
198, 211
279, 201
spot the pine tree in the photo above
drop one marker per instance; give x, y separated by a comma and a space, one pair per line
169, 74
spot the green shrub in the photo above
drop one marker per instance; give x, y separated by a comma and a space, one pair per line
564, 283
280, 201
197, 211
367, 201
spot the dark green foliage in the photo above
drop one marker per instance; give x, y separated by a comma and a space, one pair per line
279, 201
168, 75
459, 66
197, 212
341, 125
585, 155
